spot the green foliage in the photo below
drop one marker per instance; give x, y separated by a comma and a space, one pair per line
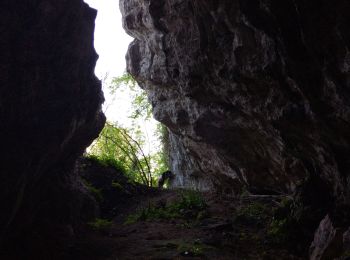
192, 200
124, 80
108, 162
97, 193
141, 108
284, 224
278, 230
100, 224
123, 148
191, 207
195, 249
189, 248
254, 212
116, 147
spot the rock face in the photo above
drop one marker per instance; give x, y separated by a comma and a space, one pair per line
50, 111
255, 93
328, 241
112, 189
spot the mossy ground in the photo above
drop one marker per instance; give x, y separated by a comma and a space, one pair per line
178, 224
138, 222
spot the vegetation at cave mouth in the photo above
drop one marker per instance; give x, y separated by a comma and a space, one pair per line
125, 147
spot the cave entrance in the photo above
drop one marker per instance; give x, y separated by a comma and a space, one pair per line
131, 139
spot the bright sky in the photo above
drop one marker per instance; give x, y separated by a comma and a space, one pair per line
111, 43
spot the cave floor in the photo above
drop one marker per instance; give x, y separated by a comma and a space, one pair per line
229, 229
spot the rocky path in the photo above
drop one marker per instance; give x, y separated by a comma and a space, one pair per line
172, 238
225, 229
150, 223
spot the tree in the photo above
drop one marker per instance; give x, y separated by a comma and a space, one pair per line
124, 147
116, 147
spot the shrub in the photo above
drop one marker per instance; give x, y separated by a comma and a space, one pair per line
278, 230
108, 162
254, 212
100, 224
191, 207
97, 193
195, 249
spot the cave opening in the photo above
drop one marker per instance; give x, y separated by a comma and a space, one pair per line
249, 115
132, 140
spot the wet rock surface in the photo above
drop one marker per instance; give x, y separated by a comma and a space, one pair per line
256, 92
50, 111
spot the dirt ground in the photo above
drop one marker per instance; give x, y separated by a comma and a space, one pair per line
231, 229
173, 224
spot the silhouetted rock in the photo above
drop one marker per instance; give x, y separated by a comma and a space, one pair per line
115, 191
50, 111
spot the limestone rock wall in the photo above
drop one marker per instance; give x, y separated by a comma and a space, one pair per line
255, 92
50, 110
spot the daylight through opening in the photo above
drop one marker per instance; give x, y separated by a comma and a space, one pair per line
131, 141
